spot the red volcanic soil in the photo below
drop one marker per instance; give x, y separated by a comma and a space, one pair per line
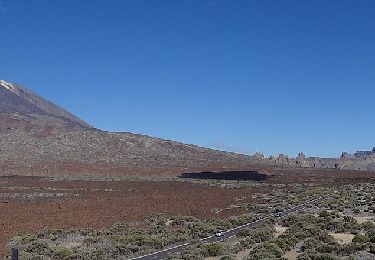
41, 203
100, 204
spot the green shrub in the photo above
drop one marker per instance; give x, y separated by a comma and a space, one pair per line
360, 238
372, 249
271, 250
313, 255
227, 257
39, 247
62, 253
214, 249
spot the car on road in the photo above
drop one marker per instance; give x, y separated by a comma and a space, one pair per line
277, 214
219, 234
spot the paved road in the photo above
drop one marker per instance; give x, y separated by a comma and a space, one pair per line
163, 254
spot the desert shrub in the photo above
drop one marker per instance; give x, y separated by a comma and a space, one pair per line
23, 239
351, 248
331, 247
39, 247
371, 235
313, 255
221, 224
117, 228
245, 232
29, 256
368, 225
260, 234
271, 250
236, 247
214, 249
372, 248
62, 253
102, 252
83, 232
192, 254
324, 214
74, 257
261, 256
349, 219
246, 242
310, 244
50, 233
301, 230
360, 238
299, 220
241, 220
290, 240
263, 234
284, 244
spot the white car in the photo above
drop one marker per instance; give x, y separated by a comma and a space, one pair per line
219, 234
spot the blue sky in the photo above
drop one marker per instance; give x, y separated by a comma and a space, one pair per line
270, 76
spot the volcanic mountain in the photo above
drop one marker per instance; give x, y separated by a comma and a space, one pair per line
40, 138
21, 108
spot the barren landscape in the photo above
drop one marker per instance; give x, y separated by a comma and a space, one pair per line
70, 191
98, 204
30, 204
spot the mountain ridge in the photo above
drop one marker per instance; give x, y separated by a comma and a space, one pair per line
19, 103
38, 137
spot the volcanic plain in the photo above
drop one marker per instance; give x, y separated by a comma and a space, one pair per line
29, 204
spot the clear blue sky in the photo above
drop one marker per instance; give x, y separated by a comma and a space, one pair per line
272, 76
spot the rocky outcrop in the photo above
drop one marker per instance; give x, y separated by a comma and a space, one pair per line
258, 156
301, 160
280, 159
364, 153
345, 155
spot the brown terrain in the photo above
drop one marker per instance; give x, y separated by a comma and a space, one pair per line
77, 204
28, 204
94, 172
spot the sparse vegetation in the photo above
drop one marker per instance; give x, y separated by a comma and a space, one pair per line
311, 233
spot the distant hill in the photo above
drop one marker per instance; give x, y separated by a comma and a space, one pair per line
38, 137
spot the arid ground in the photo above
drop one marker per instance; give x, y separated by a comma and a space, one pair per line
28, 204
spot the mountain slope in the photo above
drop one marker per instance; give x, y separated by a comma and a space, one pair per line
20, 107
40, 138
98, 153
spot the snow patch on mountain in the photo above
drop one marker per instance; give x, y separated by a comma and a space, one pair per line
8, 86
15, 98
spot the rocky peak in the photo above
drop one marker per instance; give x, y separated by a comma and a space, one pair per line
280, 159
20, 107
301, 157
258, 155
345, 155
